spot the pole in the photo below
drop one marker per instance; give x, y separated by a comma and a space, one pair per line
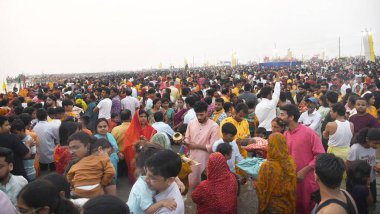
339, 47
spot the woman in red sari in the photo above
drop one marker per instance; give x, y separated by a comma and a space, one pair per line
139, 129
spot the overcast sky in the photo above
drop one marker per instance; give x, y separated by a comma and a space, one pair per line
55, 36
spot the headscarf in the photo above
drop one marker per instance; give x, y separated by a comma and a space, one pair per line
277, 177
217, 194
132, 135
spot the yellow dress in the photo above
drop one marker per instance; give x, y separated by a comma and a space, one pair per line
372, 111
235, 91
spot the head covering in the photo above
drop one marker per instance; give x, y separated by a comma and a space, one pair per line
217, 194
312, 99
277, 176
132, 135
79, 96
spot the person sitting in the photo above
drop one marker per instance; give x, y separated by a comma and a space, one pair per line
92, 173
217, 194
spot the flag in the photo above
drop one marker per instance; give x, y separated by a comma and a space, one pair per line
323, 54
233, 60
160, 65
4, 86
371, 49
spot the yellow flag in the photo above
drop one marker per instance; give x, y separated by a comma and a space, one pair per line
233, 60
4, 86
160, 65
371, 49
323, 54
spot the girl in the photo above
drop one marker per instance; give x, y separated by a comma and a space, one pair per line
102, 132
371, 109
179, 114
364, 148
48, 200
168, 112
91, 174
156, 108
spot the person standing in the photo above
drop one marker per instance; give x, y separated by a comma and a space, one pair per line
311, 118
105, 105
266, 109
304, 146
201, 133
129, 102
116, 103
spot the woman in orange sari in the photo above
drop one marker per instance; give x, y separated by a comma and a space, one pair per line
276, 185
139, 129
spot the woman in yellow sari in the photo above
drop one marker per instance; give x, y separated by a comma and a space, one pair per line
276, 185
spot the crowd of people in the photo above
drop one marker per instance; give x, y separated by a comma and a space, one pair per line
180, 135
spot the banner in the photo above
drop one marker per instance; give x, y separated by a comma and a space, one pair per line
369, 52
233, 60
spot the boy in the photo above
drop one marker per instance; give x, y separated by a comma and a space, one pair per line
228, 132
161, 171
362, 119
9, 184
18, 128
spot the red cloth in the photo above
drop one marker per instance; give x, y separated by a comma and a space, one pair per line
217, 194
132, 135
62, 158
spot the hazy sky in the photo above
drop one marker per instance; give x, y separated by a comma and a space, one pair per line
55, 36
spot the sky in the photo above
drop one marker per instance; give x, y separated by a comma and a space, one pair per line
77, 36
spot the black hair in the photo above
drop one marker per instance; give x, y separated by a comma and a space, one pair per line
99, 121
26, 118
60, 182
155, 101
41, 114
185, 91
3, 119
18, 110
291, 110
373, 134
67, 102
17, 125
332, 96
229, 128
330, 170
82, 137
107, 90
115, 90
48, 195
51, 112
101, 142
145, 151
241, 107
208, 100
227, 106
105, 204
265, 91
128, 91
219, 100
165, 100
164, 163
7, 153
151, 91
66, 129
200, 106
191, 101
125, 115
59, 110
358, 173
158, 116
114, 115
28, 110
368, 96
261, 130
85, 119
339, 108
182, 129
247, 87
224, 149
142, 111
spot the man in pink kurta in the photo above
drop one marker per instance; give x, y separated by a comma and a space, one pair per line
201, 133
304, 146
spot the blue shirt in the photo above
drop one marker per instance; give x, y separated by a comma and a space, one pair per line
140, 197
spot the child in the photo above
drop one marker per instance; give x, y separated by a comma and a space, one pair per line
260, 146
228, 133
84, 121
162, 169
358, 184
92, 173
141, 197
18, 128
113, 122
10, 184
364, 148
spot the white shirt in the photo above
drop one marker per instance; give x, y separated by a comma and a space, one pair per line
134, 92
342, 136
149, 104
189, 116
358, 152
312, 120
163, 127
105, 106
266, 109
343, 88
130, 103
171, 192
48, 136
236, 156
13, 187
